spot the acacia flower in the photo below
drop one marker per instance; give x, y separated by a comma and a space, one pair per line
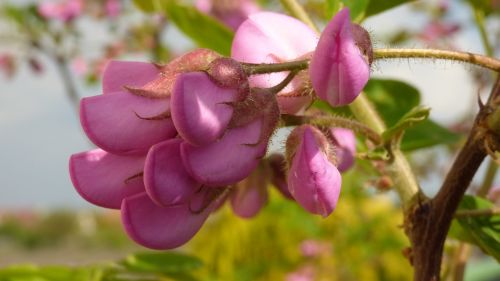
340, 65
313, 179
267, 37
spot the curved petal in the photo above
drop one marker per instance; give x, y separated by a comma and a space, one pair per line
159, 227
228, 160
281, 38
127, 73
105, 179
199, 109
167, 181
247, 200
313, 180
345, 142
115, 122
338, 69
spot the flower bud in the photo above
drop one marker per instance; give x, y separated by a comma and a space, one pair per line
250, 194
312, 178
340, 67
228, 73
344, 141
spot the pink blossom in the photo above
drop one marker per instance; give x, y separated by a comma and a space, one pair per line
113, 8
280, 38
340, 67
344, 141
232, 13
79, 66
313, 180
7, 65
65, 11
250, 195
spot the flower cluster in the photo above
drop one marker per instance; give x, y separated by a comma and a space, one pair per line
175, 141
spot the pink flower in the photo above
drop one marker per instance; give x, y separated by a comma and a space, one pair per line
113, 8
171, 139
344, 141
250, 195
65, 11
7, 65
232, 13
340, 65
280, 38
313, 179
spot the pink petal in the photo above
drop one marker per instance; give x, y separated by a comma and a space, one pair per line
281, 38
198, 110
112, 122
313, 180
228, 160
159, 227
118, 74
338, 70
105, 179
166, 179
247, 201
345, 143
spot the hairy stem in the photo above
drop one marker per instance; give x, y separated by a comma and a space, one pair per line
405, 182
480, 60
334, 121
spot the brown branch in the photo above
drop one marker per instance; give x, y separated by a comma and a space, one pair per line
428, 222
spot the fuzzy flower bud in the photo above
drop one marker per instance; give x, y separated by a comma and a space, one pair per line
340, 66
312, 178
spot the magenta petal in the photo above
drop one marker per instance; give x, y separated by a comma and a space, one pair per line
112, 122
247, 200
338, 70
105, 179
159, 227
313, 180
227, 161
127, 73
281, 38
345, 144
166, 179
199, 111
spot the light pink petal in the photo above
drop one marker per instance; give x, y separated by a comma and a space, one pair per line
105, 179
338, 70
227, 161
345, 143
167, 181
313, 180
159, 227
281, 38
199, 111
118, 74
247, 200
113, 122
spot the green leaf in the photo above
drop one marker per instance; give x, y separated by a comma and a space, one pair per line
357, 8
484, 230
331, 8
412, 117
48, 273
206, 31
393, 99
147, 6
378, 6
168, 263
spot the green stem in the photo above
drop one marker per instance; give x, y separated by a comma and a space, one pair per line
334, 121
479, 17
252, 68
478, 213
484, 61
491, 171
399, 169
295, 9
